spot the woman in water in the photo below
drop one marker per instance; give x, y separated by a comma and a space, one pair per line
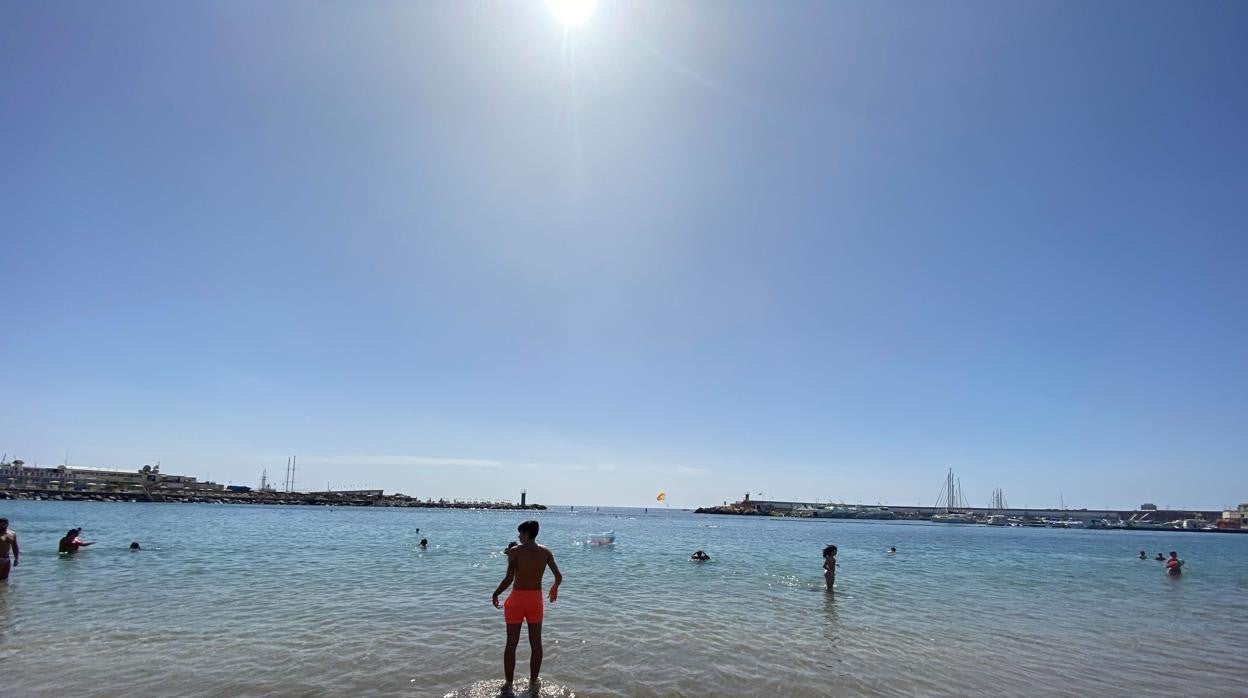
71, 542
829, 565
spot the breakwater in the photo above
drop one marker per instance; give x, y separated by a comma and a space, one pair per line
281, 498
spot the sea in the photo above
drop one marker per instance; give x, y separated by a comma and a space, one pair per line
239, 600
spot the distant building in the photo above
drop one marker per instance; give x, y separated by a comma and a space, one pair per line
1235, 518
17, 474
1148, 507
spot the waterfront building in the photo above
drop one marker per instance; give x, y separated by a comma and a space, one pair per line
1235, 518
17, 475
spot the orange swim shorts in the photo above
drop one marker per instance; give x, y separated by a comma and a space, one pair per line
522, 605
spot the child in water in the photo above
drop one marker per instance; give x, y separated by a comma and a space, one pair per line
829, 565
1174, 566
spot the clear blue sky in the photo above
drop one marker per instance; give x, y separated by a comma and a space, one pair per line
806, 249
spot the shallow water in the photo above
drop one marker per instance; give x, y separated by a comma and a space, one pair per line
313, 601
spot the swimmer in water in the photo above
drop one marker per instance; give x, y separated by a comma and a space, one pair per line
1143, 555
8, 544
829, 565
424, 542
135, 546
1160, 558
700, 556
72, 542
892, 550
526, 563
1174, 566
507, 550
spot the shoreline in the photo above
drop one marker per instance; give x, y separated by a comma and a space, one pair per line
279, 498
736, 510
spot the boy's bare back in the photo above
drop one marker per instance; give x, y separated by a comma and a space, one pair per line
528, 563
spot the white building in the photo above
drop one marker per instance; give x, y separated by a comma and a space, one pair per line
18, 475
1235, 518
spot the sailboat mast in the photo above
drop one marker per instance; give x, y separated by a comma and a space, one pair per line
949, 500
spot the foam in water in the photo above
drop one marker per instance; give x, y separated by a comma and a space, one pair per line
494, 689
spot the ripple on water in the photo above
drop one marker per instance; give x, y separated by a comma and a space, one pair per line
297, 602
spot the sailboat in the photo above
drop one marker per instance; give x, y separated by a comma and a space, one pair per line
951, 496
998, 517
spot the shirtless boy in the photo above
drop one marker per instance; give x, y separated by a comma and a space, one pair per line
526, 563
8, 541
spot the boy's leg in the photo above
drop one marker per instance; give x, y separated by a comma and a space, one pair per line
509, 654
535, 646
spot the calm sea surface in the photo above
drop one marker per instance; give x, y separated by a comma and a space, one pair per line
312, 601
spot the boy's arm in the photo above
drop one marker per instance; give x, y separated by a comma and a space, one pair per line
17, 552
511, 574
554, 569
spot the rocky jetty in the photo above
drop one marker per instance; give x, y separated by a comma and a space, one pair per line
283, 498
737, 508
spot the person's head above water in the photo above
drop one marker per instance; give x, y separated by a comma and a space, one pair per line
829, 550
1173, 554
892, 549
134, 545
528, 531
424, 541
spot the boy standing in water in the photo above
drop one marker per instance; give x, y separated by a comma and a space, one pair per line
8, 541
526, 563
829, 565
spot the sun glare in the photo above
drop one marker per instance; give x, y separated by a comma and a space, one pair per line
573, 13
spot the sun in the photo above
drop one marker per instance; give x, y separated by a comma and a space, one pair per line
573, 13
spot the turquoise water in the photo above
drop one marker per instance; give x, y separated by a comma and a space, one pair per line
312, 601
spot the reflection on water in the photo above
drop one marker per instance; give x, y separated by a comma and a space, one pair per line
831, 622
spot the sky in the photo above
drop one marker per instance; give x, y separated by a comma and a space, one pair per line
806, 250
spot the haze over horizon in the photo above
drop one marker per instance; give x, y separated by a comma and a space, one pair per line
458, 250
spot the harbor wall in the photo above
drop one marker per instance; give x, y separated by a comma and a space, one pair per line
919, 512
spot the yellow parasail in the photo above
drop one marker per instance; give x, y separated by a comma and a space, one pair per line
662, 497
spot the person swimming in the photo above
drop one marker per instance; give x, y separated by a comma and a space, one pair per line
700, 556
507, 550
424, 542
1174, 566
1143, 555
72, 542
892, 550
1160, 558
829, 565
135, 546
